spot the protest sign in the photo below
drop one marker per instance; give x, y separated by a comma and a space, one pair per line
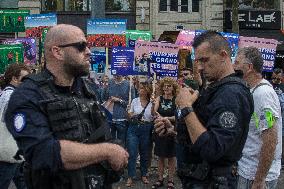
12, 20
10, 54
106, 40
232, 38
133, 35
267, 47
160, 58
122, 60
29, 45
185, 39
106, 26
106, 32
98, 60
37, 22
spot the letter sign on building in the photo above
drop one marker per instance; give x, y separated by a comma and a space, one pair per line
270, 20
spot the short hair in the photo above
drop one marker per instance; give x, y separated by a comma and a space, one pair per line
216, 41
252, 56
277, 71
13, 70
171, 81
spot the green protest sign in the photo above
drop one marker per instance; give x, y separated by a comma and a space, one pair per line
12, 20
133, 35
10, 54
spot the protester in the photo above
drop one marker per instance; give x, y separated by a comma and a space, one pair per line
216, 120
56, 121
259, 167
139, 133
278, 86
117, 94
164, 107
10, 160
186, 79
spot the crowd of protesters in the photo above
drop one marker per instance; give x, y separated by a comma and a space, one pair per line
134, 103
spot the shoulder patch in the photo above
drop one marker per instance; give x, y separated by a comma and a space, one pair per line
228, 119
19, 122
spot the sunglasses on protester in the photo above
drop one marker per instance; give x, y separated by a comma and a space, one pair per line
81, 46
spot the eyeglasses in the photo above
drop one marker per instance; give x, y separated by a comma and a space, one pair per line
167, 86
81, 46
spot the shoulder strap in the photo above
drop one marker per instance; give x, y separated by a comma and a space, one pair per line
9, 89
40, 78
230, 80
259, 85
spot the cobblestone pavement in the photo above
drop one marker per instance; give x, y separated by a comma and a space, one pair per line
153, 177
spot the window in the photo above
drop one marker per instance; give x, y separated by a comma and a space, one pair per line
179, 5
120, 5
66, 5
174, 5
184, 6
163, 5
256, 4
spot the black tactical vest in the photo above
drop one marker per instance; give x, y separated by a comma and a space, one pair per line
74, 117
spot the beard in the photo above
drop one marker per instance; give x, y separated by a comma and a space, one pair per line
76, 69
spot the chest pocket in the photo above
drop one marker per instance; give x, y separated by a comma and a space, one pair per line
64, 120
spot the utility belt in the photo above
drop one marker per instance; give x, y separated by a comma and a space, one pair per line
90, 178
204, 171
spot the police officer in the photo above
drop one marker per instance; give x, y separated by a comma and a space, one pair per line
57, 123
216, 121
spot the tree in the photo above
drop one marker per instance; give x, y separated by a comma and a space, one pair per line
235, 16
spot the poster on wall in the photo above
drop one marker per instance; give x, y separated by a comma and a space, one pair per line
36, 23
267, 47
133, 35
122, 61
29, 45
10, 54
106, 32
160, 58
12, 20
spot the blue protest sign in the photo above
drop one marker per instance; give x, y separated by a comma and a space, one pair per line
122, 61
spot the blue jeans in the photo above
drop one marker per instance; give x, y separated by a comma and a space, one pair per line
9, 172
244, 183
138, 138
118, 130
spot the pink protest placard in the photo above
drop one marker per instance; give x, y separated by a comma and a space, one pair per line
267, 47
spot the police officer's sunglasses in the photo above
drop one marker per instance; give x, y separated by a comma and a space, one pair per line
81, 46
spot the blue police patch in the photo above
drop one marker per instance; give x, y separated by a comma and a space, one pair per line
19, 122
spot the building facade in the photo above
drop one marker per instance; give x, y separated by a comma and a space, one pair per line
165, 15
169, 15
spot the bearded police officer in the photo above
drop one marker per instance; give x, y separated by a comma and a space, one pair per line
57, 123
215, 122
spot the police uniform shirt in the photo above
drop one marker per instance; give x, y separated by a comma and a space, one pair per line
29, 125
225, 111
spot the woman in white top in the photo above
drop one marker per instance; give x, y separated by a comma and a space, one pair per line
10, 162
139, 133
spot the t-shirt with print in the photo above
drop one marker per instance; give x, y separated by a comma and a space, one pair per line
265, 98
137, 108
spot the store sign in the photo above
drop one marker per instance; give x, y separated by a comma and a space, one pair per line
255, 19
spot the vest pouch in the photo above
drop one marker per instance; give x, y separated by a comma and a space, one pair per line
94, 181
196, 171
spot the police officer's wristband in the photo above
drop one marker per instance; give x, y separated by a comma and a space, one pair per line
182, 113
